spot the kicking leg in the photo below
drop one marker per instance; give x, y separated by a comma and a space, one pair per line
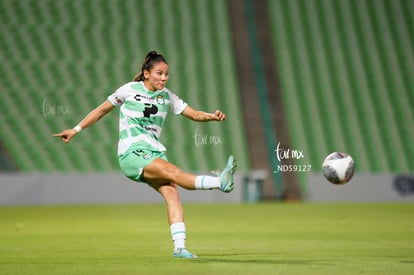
161, 171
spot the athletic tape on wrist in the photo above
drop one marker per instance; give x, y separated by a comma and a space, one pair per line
78, 128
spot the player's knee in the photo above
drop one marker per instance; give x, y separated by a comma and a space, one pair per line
172, 173
170, 191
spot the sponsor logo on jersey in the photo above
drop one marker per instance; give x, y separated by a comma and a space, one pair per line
118, 100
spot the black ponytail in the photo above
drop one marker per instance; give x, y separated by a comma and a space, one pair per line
150, 60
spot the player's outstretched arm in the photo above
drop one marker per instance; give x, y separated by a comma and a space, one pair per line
203, 116
91, 118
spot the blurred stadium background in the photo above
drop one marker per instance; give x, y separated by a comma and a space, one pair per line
314, 76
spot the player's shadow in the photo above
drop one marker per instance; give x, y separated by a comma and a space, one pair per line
249, 258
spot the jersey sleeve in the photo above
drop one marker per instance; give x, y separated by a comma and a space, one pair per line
177, 105
118, 97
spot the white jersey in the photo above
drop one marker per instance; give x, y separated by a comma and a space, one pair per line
142, 115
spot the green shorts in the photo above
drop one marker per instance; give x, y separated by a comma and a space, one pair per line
132, 162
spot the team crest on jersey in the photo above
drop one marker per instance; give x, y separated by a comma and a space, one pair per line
160, 100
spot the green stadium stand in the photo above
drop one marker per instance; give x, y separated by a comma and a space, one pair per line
60, 59
346, 72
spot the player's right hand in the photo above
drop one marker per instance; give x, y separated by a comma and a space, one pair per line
66, 135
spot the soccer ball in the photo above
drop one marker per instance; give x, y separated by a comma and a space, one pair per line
338, 168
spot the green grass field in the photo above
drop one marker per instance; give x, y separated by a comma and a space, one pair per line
269, 238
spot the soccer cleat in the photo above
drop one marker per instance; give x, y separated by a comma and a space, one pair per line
184, 253
226, 176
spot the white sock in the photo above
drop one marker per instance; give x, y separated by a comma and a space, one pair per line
178, 235
207, 182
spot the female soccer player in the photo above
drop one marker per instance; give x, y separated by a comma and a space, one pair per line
145, 103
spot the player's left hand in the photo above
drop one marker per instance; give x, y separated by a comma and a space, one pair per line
219, 115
